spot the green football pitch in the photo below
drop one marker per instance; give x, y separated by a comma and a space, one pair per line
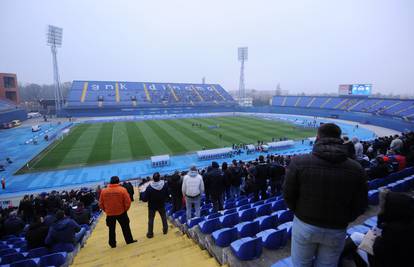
100, 143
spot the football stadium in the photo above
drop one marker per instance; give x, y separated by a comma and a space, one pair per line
240, 177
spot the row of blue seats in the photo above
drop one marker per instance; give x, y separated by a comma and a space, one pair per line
19, 260
402, 185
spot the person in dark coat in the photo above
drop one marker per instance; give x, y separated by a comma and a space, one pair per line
379, 170
13, 225
215, 181
128, 186
81, 215
174, 185
36, 233
326, 190
227, 179
156, 194
261, 176
350, 148
64, 230
236, 174
276, 174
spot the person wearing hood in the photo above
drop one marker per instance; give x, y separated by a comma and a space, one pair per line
215, 181
359, 148
36, 233
156, 194
326, 190
193, 187
64, 230
175, 183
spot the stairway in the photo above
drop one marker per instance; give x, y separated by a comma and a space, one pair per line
173, 249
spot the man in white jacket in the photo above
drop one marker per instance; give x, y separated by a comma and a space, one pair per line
193, 187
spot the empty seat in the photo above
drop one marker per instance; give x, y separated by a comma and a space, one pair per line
371, 222
9, 258
264, 209
284, 216
182, 219
288, 227
286, 262
7, 251
357, 228
373, 197
278, 205
273, 239
229, 220
63, 247
247, 248
223, 237
244, 207
247, 215
205, 211
194, 221
269, 200
242, 202
19, 244
245, 229
213, 215
56, 259
177, 214
233, 210
267, 222
258, 203
24, 263
37, 252
230, 205
209, 226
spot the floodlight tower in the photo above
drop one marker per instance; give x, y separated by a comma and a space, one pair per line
54, 40
242, 56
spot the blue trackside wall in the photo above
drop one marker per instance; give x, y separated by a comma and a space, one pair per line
394, 123
17, 114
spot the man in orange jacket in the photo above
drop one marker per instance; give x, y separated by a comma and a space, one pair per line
115, 202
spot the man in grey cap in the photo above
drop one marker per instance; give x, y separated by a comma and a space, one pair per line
192, 188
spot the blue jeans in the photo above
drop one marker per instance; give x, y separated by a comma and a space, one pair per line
189, 202
316, 246
235, 191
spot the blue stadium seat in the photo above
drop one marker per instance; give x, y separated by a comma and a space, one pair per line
177, 214
279, 205
273, 239
9, 258
19, 244
7, 251
247, 248
264, 209
223, 237
248, 228
244, 207
56, 259
37, 252
258, 203
373, 197
208, 205
194, 221
251, 199
287, 226
229, 220
267, 222
213, 215
358, 228
24, 263
371, 222
182, 219
63, 247
286, 262
230, 205
233, 210
247, 215
284, 215
242, 202
209, 226
205, 211
271, 199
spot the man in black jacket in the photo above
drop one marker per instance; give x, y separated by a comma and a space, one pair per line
326, 190
262, 174
276, 174
156, 195
175, 183
130, 189
216, 183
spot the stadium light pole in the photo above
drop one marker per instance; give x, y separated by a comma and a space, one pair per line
54, 40
242, 56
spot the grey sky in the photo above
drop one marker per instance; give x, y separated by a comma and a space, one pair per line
306, 46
